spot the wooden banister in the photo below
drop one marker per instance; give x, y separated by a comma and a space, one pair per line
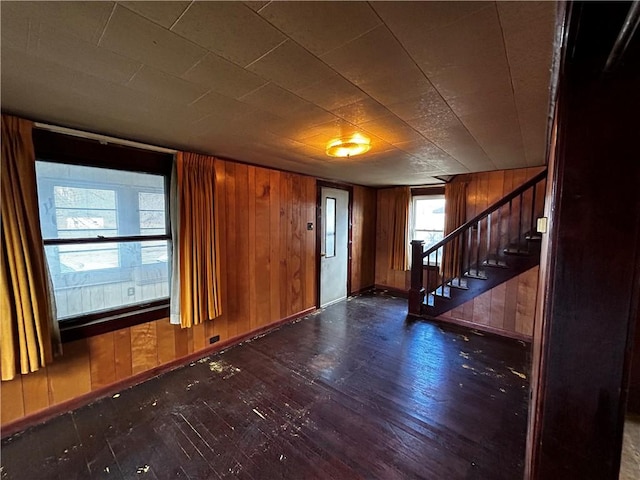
480, 243
503, 201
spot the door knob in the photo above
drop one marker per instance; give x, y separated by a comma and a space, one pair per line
322, 254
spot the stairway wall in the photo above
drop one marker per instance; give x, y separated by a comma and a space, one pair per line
507, 309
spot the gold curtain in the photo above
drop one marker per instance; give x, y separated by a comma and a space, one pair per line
399, 255
455, 208
28, 328
198, 239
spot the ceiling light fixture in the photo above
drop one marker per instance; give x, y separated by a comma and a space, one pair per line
348, 146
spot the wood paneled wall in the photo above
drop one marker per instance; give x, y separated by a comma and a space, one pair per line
508, 308
268, 273
486, 188
363, 237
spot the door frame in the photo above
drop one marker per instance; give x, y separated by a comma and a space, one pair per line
319, 218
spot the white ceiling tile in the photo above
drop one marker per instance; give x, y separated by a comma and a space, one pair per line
138, 38
256, 6
229, 29
398, 86
225, 107
291, 66
321, 26
391, 129
429, 104
15, 24
473, 39
85, 20
332, 93
528, 33
283, 113
402, 17
374, 54
162, 85
162, 13
223, 76
477, 79
83, 56
275, 100
361, 111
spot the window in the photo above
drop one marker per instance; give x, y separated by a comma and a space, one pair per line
330, 226
428, 221
106, 230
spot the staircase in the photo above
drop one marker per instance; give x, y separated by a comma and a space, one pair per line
496, 245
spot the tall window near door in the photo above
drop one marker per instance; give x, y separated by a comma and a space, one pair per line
105, 225
428, 221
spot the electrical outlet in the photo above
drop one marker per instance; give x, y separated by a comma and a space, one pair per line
131, 291
214, 339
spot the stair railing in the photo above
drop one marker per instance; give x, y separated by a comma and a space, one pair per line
501, 228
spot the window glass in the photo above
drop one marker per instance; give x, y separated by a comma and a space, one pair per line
330, 234
428, 222
92, 220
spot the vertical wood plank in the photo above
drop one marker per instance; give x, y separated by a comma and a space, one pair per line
35, 390
510, 303
482, 308
295, 248
262, 269
467, 310
166, 334
369, 239
122, 351
200, 339
70, 375
527, 287
309, 247
232, 257
103, 360
252, 283
11, 400
274, 244
383, 229
243, 320
498, 296
144, 345
285, 231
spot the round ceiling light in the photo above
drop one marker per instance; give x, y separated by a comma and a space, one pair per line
348, 146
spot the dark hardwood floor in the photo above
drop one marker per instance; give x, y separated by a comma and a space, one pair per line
355, 391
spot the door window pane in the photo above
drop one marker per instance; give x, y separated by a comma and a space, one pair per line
330, 226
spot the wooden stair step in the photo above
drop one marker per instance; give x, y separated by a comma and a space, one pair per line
495, 262
460, 283
475, 273
517, 250
533, 237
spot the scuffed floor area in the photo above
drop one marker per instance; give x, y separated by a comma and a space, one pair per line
353, 391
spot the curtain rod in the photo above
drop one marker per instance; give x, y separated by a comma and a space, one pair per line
101, 138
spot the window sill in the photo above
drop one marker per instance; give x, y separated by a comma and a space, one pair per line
93, 324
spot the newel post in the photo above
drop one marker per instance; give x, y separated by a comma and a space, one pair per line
416, 292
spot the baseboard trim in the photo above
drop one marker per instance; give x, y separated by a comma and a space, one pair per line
48, 413
480, 328
397, 292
